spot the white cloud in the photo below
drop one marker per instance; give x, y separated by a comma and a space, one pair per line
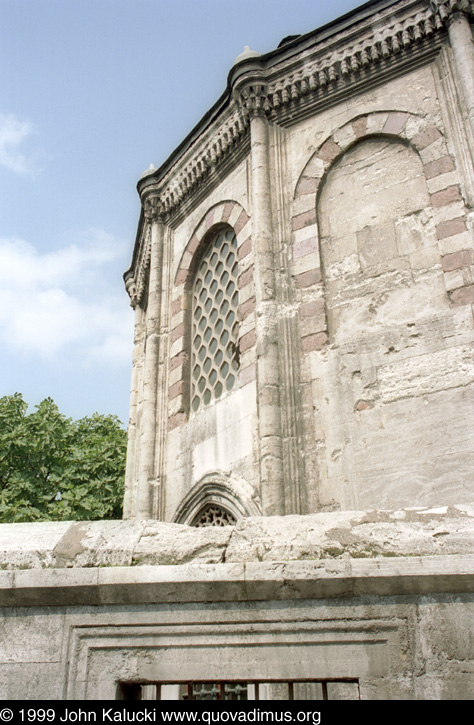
13, 134
62, 302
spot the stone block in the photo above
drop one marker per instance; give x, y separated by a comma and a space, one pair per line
451, 227
439, 167
315, 341
376, 244
426, 137
455, 243
442, 181
308, 279
446, 196
304, 219
395, 123
306, 263
306, 246
329, 151
29, 545
463, 295
425, 259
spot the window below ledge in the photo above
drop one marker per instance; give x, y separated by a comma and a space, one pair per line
331, 689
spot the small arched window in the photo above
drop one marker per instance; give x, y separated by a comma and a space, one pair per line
214, 515
215, 328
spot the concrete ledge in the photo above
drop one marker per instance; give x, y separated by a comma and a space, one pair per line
260, 581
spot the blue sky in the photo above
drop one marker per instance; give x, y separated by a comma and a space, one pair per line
91, 93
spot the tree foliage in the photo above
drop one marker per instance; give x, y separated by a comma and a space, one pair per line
53, 468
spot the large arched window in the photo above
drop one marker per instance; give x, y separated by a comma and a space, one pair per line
215, 329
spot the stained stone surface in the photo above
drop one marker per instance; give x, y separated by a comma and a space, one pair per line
351, 204
337, 535
372, 597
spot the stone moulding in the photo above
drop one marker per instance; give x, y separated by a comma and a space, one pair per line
333, 66
234, 495
256, 581
429, 143
226, 213
243, 649
136, 286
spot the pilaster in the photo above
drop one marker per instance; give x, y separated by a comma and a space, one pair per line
252, 105
129, 502
147, 437
456, 14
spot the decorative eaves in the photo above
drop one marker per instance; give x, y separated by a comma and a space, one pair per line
274, 90
334, 68
284, 87
445, 9
198, 168
136, 282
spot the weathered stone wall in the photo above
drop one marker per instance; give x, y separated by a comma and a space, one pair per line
383, 598
385, 343
349, 182
345, 535
343, 162
398, 351
400, 647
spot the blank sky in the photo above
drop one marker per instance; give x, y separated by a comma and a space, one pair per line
91, 93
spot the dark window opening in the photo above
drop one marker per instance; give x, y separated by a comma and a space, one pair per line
328, 689
214, 515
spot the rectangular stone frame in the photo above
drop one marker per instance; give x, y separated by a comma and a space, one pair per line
254, 648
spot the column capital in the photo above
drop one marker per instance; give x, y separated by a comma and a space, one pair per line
252, 100
131, 287
445, 10
153, 207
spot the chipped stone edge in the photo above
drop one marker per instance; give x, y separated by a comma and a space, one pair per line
152, 543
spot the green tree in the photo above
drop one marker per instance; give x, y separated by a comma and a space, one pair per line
54, 469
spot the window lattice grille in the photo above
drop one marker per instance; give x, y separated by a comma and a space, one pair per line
215, 516
216, 691
326, 689
215, 359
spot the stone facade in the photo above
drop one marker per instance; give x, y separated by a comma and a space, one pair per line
342, 162
303, 379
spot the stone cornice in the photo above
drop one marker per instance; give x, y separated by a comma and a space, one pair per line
255, 581
136, 278
195, 170
445, 10
288, 84
272, 87
334, 64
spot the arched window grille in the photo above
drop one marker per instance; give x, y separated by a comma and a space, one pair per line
214, 515
215, 329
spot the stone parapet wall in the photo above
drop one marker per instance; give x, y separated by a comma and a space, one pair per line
384, 600
414, 532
